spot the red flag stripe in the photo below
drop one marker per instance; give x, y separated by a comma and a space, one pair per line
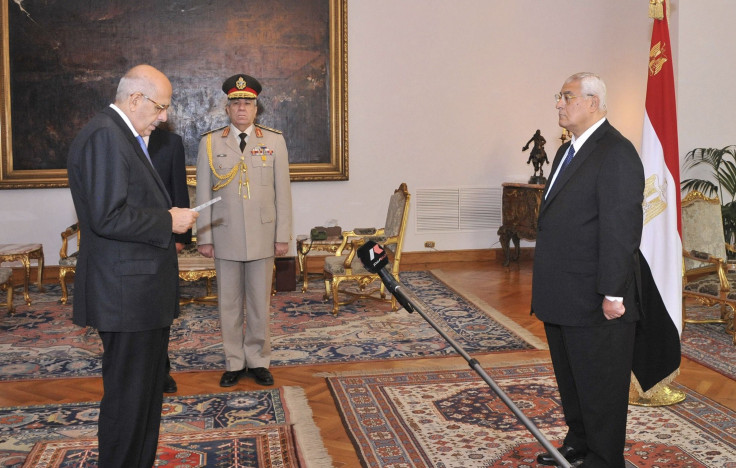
660, 100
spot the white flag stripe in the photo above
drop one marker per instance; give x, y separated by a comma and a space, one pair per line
661, 244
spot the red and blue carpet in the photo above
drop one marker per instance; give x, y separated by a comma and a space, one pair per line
267, 428
452, 419
709, 343
40, 341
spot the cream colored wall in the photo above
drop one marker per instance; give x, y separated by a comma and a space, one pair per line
445, 93
707, 74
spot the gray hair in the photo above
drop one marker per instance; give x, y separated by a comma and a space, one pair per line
134, 83
591, 85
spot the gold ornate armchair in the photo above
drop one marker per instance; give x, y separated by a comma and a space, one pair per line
339, 268
705, 268
67, 261
6, 283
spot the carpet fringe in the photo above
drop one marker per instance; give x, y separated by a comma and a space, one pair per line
307, 434
657, 388
453, 368
492, 312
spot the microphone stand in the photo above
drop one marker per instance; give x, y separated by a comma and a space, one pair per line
395, 288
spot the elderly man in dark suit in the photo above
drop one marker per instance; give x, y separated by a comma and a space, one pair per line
167, 155
586, 267
126, 283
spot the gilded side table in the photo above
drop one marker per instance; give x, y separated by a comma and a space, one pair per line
196, 267
25, 253
305, 246
520, 209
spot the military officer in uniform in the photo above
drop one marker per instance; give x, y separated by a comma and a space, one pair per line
246, 164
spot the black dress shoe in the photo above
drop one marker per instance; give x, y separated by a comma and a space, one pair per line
262, 375
169, 384
230, 378
570, 454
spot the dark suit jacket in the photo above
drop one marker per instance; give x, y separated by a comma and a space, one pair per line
167, 154
127, 273
589, 230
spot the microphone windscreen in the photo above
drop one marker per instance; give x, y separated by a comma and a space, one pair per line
372, 256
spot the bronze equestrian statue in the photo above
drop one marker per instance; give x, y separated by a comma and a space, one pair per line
537, 157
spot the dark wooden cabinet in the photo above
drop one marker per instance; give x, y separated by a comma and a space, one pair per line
520, 205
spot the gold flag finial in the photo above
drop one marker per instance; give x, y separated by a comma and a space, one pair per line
656, 9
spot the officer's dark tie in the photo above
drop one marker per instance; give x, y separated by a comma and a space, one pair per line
568, 158
242, 136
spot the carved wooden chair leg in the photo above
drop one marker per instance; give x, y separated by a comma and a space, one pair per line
11, 309
40, 273
9, 288
335, 298
62, 283
6, 283
328, 289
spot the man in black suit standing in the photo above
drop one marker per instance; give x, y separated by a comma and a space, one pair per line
167, 155
585, 279
126, 283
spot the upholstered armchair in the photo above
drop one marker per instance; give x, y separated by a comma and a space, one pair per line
341, 268
6, 284
67, 261
705, 268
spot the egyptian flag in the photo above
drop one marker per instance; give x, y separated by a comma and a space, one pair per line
657, 349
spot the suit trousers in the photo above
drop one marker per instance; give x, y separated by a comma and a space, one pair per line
236, 280
133, 370
593, 370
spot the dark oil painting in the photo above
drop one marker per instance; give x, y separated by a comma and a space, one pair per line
67, 56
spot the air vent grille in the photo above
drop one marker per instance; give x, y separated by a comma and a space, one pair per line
458, 209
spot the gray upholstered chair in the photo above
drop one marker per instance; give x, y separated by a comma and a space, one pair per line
346, 268
67, 261
6, 283
705, 268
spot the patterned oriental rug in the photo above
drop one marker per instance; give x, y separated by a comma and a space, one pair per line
708, 343
452, 419
267, 428
40, 341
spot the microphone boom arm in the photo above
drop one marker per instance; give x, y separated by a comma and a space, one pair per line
374, 259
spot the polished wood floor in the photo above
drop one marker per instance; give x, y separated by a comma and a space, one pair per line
506, 289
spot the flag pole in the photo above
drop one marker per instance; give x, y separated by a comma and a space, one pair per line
658, 358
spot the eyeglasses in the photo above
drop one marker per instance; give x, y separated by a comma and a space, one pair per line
567, 97
159, 107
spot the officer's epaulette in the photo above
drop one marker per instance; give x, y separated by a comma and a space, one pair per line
214, 130
269, 128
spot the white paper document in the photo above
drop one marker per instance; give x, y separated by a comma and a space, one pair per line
206, 204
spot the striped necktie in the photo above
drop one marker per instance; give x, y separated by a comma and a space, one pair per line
568, 158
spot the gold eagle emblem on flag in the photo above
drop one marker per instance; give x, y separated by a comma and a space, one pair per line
657, 58
654, 198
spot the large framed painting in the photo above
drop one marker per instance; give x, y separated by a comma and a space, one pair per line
61, 61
